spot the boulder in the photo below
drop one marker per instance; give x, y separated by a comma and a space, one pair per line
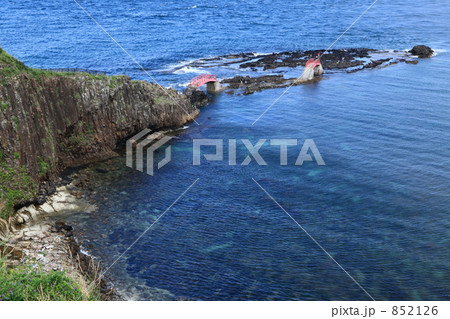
196, 96
422, 51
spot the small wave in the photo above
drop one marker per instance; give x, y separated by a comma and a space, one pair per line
261, 53
439, 51
183, 67
188, 69
185, 84
176, 66
85, 252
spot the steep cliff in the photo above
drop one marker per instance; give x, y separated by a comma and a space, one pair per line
50, 121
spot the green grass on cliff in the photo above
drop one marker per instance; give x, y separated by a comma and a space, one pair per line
16, 186
26, 283
10, 67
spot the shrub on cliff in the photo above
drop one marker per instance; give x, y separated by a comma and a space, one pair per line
26, 283
16, 187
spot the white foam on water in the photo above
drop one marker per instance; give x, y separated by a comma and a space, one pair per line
188, 69
85, 252
436, 52
183, 67
175, 66
185, 84
262, 53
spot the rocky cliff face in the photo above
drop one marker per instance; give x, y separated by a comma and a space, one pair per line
50, 121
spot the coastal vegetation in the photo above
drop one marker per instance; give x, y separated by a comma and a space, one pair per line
16, 186
10, 67
29, 283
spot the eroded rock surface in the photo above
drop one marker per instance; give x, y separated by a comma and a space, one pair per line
72, 120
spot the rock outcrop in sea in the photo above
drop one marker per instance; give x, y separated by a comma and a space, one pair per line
422, 51
258, 71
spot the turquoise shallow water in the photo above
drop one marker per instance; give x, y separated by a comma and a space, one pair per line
379, 206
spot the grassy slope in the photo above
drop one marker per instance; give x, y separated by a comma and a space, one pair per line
10, 67
26, 283
15, 186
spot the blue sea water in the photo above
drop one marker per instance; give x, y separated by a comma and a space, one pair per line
380, 206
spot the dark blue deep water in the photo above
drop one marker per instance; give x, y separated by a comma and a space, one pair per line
380, 206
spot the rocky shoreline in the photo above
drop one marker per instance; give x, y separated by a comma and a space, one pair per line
34, 238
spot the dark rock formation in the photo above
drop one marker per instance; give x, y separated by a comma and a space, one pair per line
343, 60
255, 84
196, 96
334, 59
422, 51
67, 121
50, 121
